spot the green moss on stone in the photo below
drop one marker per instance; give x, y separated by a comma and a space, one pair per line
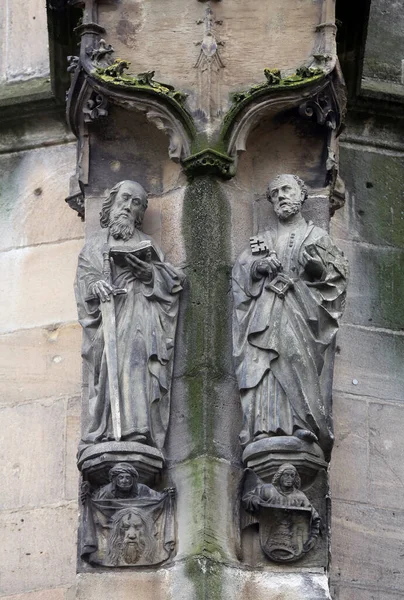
273, 84
389, 278
206, 577
206, 222
144, 82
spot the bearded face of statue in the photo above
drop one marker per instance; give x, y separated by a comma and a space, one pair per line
286, 196
127, 211
133, 538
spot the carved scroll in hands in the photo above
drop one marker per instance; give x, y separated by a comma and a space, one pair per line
288, 524
126, 523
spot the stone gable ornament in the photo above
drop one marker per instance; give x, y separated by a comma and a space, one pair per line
126, 523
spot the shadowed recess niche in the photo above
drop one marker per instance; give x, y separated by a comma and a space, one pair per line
142, 157
294, 145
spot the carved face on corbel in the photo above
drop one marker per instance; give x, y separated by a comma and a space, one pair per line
288, 479
287, 194
131, 538
124, 482
124, 478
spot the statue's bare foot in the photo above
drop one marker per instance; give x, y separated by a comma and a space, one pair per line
137, 437
306, 435
261, 436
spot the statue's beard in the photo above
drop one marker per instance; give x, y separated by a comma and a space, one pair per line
288, 210
122, 228
132, 551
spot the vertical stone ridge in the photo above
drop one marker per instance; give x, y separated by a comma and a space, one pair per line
206, 223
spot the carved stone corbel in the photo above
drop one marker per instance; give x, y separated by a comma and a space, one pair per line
289, 525
126, 523
321, 109
95, 107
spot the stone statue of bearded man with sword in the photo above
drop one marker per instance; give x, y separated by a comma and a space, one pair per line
127, 298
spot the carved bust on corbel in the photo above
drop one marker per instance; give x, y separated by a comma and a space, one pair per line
289, 525
126, 523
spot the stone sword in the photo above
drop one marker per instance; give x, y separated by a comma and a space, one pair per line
109, 327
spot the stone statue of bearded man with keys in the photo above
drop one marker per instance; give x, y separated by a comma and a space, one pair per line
289, 292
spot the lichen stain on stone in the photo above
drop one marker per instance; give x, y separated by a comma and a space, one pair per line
207, 578
206, 218
129, 25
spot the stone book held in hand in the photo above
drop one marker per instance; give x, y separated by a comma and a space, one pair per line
144, 251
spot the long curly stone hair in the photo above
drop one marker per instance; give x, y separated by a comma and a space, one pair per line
285, 467
115, 545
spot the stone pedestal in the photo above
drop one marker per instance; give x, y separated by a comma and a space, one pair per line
95, 461
265, 456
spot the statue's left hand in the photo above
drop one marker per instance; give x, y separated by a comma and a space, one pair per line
85, 492
313, 264
142, 270
170, 491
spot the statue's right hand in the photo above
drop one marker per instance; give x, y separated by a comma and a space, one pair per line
270, 265
251, 502
102, 289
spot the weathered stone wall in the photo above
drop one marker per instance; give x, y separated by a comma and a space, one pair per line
367, 466
23, 40
40, 367
40, 363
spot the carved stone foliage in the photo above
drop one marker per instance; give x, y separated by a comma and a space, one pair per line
288, 524
128, 298
126, 523
289, 292
209, 65
95, 107
76, 202
209, 161
321, 108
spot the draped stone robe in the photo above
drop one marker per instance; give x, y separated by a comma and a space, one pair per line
283, 348
146, 319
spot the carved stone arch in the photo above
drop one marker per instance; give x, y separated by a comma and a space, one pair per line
88, 100
316, 100
164, 112
158, 114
